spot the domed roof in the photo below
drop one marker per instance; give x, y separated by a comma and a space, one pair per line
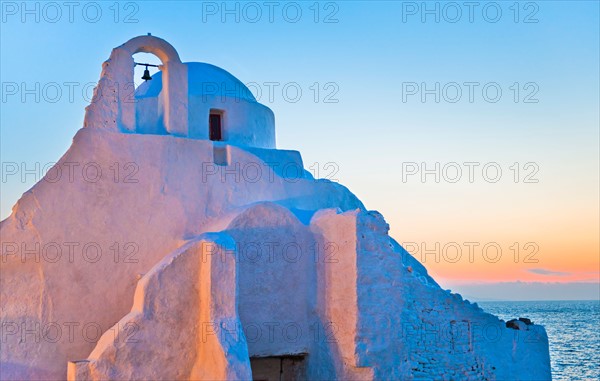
203, 79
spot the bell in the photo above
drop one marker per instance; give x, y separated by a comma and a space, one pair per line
146, 76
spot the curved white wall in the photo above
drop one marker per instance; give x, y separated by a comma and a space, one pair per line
245, 122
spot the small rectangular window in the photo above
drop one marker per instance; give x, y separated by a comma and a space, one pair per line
215, 124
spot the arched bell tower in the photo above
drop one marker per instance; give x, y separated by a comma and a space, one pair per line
192, 100
113, 102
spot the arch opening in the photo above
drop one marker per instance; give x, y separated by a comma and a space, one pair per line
138, 70
149, 97
167, 112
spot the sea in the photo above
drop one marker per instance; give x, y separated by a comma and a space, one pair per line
573, 329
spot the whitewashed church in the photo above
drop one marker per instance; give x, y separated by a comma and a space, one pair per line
201, 273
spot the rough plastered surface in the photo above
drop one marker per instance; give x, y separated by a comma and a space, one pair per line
171, 309
74, 246
365, 309
169, 257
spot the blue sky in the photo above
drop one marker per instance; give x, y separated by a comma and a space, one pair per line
367, 117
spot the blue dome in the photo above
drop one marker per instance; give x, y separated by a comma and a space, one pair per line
203, 79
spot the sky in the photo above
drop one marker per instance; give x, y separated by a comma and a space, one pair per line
473, 127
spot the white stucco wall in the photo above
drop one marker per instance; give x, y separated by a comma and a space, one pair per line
168, 189
173, 331
362, 311
277, 280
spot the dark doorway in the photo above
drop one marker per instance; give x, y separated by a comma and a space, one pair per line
215, 125
278, 368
